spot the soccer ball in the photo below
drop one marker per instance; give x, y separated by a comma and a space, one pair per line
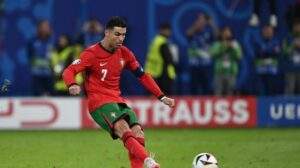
205, 160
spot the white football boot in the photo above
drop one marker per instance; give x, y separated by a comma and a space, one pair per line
150, 163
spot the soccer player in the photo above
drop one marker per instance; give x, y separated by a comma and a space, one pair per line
103, 63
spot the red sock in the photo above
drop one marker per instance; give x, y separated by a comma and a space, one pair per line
141, 140
133, 146
135, 162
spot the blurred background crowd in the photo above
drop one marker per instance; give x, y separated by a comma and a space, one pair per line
208, 47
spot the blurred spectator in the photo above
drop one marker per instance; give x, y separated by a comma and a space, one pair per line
39, 50
291, 53
293, 14
267, 50
159, 62
255, 17
226, 53
62, 56
201, 34
2, 31
92, 32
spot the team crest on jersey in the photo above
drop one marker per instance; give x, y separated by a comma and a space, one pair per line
113, 114
75, 62
122, 62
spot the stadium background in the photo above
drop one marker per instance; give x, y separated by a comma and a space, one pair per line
20, 17
20, 111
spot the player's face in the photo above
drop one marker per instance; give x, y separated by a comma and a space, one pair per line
268, 32
44, 29
116, 36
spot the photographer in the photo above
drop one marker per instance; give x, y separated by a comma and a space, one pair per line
226, 53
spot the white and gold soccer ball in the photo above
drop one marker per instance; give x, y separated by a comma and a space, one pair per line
205, 160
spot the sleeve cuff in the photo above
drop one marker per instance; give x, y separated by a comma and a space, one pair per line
72, 84
161, 97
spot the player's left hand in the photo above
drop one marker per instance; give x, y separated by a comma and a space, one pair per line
168, 101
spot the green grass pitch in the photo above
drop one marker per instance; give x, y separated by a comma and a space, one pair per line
174, 148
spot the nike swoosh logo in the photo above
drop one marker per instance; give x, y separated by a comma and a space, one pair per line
102, 64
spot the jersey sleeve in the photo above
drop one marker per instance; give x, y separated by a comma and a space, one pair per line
148, 82
131, 62
145, 79
78, 65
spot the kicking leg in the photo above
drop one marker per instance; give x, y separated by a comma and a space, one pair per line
139, 135
122, 129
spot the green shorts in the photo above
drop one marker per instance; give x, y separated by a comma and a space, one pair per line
110, 113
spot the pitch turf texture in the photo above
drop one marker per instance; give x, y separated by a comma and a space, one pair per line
174, 148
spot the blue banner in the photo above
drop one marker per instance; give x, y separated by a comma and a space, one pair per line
278, 111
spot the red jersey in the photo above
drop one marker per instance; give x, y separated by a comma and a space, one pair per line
103, 70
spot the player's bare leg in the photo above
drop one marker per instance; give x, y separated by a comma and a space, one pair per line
132, 145
139, 134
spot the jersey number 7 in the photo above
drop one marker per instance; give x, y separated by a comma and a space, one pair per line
103, 73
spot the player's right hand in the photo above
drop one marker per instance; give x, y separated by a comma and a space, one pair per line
74, 89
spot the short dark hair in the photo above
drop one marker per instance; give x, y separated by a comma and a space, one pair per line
164, 26
115, 21
40, 22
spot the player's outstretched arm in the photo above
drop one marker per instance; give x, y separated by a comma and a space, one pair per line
69, 79
77, 66
148, 82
